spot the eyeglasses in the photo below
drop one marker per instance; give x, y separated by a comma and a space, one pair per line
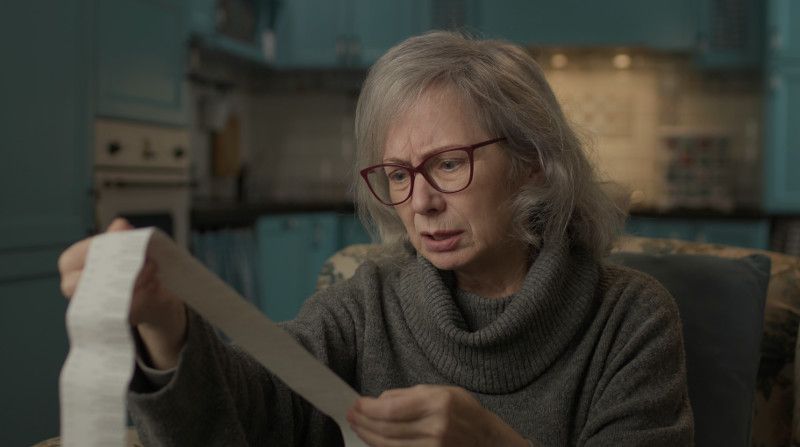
448, 171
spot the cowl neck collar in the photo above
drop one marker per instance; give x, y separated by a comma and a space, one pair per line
551, 308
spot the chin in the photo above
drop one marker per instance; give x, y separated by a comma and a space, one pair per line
451, 260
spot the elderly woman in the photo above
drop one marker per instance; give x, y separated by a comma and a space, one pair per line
491, 320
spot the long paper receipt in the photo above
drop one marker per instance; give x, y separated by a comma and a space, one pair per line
98, 369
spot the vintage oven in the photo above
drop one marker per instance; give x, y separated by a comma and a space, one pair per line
142, 173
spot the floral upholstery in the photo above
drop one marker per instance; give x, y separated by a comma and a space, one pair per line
776, 418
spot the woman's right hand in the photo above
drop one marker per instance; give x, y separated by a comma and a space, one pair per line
157, 314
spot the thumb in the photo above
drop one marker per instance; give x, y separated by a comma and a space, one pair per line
119, 224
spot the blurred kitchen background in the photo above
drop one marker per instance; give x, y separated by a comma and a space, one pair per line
229, 124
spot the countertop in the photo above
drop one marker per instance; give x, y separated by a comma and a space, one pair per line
211, 215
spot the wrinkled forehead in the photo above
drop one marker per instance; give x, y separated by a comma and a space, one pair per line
437, 118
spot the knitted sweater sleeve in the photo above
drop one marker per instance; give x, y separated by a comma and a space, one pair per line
642, 397
219, 395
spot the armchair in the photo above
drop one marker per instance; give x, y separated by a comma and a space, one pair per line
733, 314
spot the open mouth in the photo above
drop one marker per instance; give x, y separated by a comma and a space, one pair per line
440, 235
441, 241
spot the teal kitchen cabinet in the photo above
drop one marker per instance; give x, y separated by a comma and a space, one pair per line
291, 251
351, 231
344, 33
753, 233
782, 109
217, 29
660, 228
140, 60
782, 140
662, 24
730, 34
783, 34
312, 34
34, 349
44, 201
379, 25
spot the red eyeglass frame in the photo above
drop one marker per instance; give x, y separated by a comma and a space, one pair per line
414, 170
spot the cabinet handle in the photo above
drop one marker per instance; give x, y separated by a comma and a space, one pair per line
775, 40
355, 50
341, 48
775, 83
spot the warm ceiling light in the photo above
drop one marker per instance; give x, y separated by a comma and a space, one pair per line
622, 61
559, 60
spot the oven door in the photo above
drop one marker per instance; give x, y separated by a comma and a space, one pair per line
160, 200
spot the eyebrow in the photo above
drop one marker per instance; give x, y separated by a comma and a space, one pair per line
426, 154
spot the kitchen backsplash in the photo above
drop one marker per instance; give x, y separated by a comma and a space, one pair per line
673, 135
303, 146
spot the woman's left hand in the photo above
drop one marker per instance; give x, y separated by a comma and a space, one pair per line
429, 415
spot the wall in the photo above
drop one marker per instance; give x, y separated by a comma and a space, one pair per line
296, 132
298, 136
302, 148
625, 112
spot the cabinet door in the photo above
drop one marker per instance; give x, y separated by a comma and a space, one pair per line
35, 347
731, 34
782, 143
666, 24
291, 250
783, 32
753, 233
352, 232
203, 26
141, 49
380, 24
738, 233
661, 228
44, 178
44, 202
311, 33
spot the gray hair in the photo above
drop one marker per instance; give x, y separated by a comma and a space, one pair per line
510, 97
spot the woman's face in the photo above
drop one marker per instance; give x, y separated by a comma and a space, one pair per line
466, 231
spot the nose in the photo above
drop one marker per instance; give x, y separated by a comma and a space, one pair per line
425, 199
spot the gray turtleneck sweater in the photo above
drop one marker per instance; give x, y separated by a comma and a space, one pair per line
584, 354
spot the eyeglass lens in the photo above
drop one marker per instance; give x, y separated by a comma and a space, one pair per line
447, 171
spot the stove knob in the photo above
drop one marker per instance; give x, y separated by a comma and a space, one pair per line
178, 152
114, 147
147, 152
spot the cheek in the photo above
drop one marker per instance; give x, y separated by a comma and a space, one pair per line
490, 216
407, 217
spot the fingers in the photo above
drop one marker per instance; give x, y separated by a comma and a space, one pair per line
388, 429
119, 224
397, 417
420, 415
377, 439
69, 282
74, 257
403, 404
147, 281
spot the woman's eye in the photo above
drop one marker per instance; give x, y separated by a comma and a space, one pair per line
451, 164
398, 176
